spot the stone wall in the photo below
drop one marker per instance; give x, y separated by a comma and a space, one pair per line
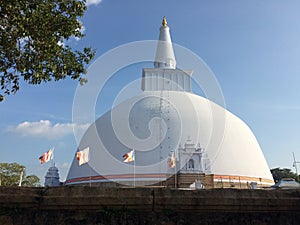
94, 205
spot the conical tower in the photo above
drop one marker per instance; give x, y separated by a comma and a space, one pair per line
165, 76
165, 57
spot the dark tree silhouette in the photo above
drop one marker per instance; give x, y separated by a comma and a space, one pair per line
278, 174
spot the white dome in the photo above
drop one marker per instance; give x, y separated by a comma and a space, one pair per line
156, 123
166, 122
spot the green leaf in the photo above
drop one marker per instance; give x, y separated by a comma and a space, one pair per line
29, 47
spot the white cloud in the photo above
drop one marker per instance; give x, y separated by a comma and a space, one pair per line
61, 43
93, 2
81, 30
45, 129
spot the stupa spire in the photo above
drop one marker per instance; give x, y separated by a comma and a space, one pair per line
164, 21
165, 57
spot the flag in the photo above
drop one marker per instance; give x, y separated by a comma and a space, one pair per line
83, 156
129, 156
172, 160
45, 157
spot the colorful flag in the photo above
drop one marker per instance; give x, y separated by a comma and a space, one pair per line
46, 156
83, 156
172, 160
129, 157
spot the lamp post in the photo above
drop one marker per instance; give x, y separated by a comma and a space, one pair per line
295, 163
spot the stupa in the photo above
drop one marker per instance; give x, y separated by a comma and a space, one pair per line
169, 122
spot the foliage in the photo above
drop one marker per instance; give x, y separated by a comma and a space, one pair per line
10, 175
32, 33
278, 174
31, 181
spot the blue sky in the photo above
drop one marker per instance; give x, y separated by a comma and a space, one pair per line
253, 48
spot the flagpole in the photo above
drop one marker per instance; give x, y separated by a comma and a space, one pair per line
90, 167
175, 177
53, 162
175, 169
90, 176
134, 169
